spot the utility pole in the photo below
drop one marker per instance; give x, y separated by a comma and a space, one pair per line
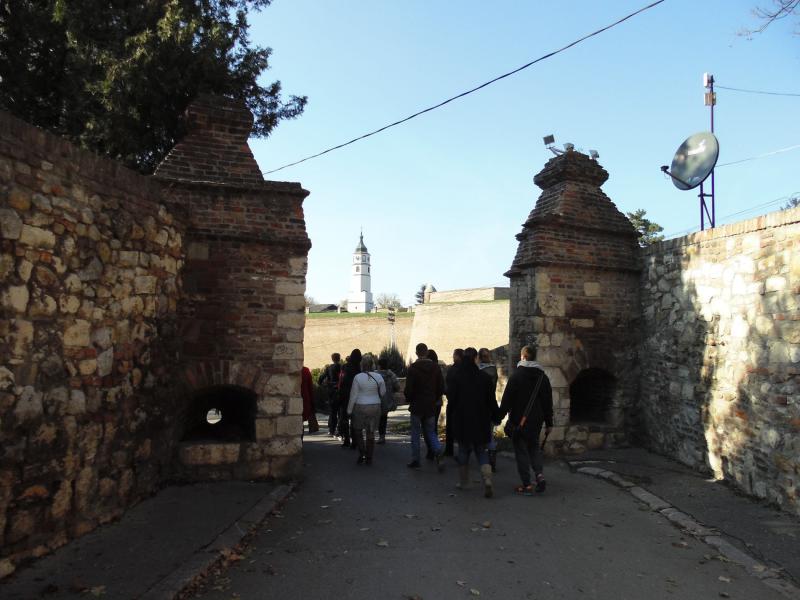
391, 317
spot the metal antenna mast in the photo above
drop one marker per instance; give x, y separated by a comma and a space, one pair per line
710, 100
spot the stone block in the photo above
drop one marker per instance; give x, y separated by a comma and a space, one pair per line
73, 283
21, 337
591, 289
69, 304
38, 238
16, 298
19, 199
595, 441
295, 406
29, 405
287, 426
105, 362
282, 385
265, 429
582, 323
292, 320
271, 405
285, 446
298, 266
10, 224
209, 454
288, 287
775, 284
552, 305
145, 284
78, 334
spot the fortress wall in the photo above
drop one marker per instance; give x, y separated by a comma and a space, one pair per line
446, 326
90, 257
720, 353
326, 335
470, 295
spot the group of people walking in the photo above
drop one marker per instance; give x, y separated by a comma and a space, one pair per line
362, 391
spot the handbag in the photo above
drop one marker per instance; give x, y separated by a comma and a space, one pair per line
511, 429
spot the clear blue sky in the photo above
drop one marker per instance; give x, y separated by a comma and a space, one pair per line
441, 198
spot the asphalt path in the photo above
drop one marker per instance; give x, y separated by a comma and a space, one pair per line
385, 531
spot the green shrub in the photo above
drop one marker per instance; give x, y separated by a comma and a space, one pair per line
395, 359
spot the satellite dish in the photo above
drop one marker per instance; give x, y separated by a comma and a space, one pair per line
694, 160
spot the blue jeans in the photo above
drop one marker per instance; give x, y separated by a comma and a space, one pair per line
480, 450
429, 423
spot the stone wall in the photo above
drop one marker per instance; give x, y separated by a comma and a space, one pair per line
721, 353
90, 262
129, 306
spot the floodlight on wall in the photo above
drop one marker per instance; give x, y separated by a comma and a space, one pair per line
594, 154
569, 147
549, 141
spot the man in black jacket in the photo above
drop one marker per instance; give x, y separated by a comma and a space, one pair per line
516, 397
424, 384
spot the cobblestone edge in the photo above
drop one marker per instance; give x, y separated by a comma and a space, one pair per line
709, 536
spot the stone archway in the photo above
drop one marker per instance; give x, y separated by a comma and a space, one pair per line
258, 435
591, 396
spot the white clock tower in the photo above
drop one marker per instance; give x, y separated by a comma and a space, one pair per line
359, 299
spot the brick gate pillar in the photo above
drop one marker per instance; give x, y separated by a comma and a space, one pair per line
242, 309
575, 296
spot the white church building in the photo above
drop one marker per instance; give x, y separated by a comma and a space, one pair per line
359, 298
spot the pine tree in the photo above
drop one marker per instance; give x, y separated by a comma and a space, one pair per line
115, 76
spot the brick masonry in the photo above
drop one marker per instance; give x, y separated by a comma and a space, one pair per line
122, 298
575, 296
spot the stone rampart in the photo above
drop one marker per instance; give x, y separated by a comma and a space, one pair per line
90, 265
446, 326
720, 357
327, 334
470, 295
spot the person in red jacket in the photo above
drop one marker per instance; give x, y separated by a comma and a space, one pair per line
307, 392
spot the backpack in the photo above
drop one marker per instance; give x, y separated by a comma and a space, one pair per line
387, 397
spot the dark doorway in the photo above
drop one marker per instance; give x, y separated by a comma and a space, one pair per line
590, 396
221, 413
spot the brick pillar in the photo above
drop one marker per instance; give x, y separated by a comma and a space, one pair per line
575, 294
242, 314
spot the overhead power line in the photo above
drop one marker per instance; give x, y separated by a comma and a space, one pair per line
754, 208
736, 162
733, 89
473, 90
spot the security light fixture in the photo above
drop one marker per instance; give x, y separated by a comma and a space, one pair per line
549, 140
594, 154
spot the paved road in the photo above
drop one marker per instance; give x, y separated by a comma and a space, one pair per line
359, 532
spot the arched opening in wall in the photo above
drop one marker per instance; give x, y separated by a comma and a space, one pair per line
590, 396
221, 413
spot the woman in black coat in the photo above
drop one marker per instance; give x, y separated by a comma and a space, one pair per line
351, 368
474, 409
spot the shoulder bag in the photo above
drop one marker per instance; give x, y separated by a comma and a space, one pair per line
511, 429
